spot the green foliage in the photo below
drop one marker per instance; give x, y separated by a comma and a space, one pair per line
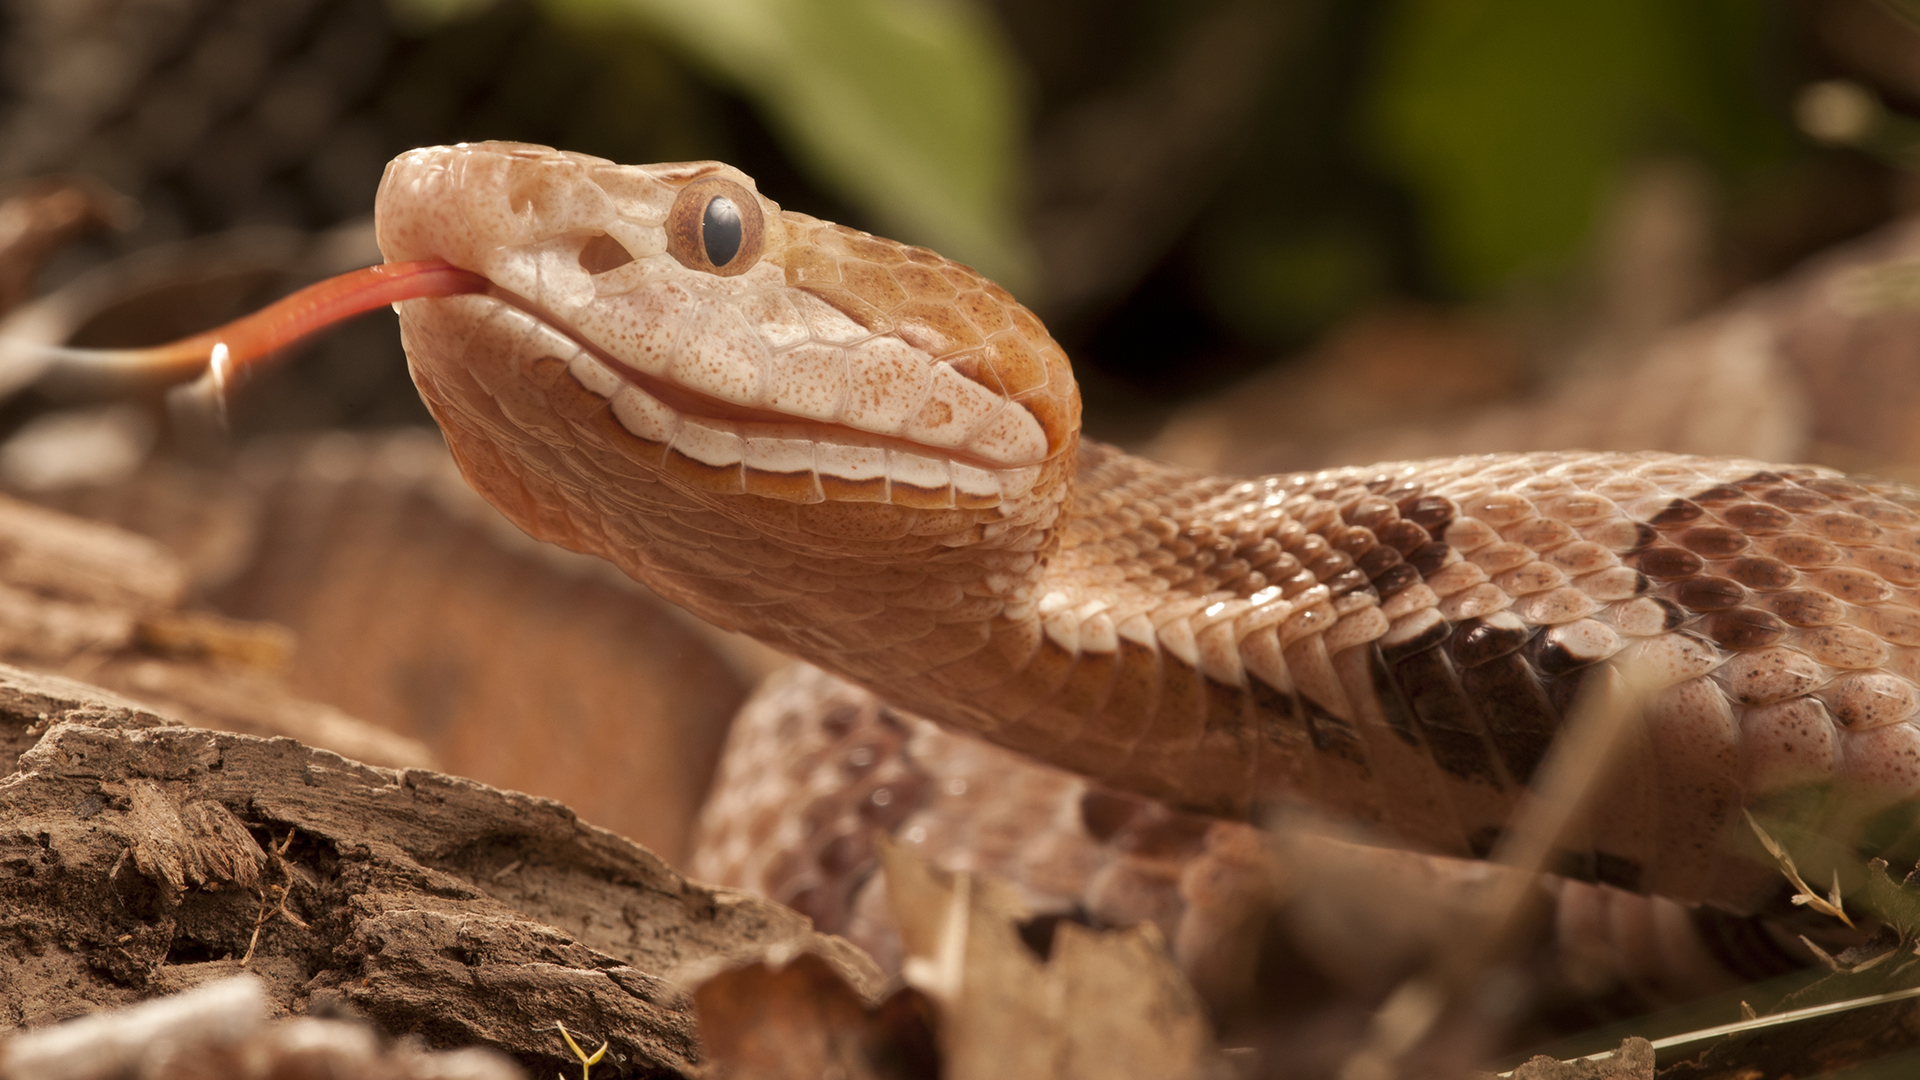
1509, 118
1289, 279
425, 16
908, 107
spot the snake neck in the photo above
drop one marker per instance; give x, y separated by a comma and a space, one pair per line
1037, 624
1108, 621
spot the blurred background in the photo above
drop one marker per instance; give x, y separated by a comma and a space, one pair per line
1460, 197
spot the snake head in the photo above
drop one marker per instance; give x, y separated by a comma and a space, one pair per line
670, 322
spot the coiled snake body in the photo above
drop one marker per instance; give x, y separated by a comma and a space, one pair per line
868, 456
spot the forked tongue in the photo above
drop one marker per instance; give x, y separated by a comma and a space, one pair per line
246, 340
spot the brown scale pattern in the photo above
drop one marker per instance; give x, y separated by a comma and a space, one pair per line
794, 812
1770, 597
808, 753
942, 307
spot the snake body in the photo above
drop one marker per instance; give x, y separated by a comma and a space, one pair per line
868, 456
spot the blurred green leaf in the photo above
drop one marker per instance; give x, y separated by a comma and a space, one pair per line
1509, 118
426, 16
908, 107
1276, 286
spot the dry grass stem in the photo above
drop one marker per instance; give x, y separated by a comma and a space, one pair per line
587, 1061
1804, 895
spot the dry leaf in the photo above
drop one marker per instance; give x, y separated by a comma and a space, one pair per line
802, 1021
1104, 1006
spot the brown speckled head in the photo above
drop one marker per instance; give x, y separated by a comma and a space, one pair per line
735, 348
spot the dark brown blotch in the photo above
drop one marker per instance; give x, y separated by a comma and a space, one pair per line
1552, 657
1520, 716
1677, 512
1477, 641
1713, 541
1762, 573
1429, 558
1395, 578
1403, 536
1424, 684
1756, 517
1425, 639
1721, 493
1743, 628
1277, 712
1484, 840
1335, 737
1617, 871
1431, 512
1666, 563
1378, 561
1709, 593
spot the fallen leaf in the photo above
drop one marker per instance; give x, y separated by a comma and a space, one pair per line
801, 1020
1102, 1005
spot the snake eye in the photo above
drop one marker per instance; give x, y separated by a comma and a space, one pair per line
715, 227
720, 230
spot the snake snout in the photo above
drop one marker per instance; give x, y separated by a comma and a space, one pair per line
467, 202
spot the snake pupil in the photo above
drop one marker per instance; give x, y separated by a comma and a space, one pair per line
720, 230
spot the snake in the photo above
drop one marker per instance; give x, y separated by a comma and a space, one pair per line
868, 456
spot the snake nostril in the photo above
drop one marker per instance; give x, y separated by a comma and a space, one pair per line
603, 253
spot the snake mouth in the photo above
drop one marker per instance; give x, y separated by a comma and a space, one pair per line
729, 448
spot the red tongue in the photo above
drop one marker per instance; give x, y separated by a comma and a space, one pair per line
315, 308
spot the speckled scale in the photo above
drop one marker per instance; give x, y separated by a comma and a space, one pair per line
793, 814
1476, 682
817, 856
